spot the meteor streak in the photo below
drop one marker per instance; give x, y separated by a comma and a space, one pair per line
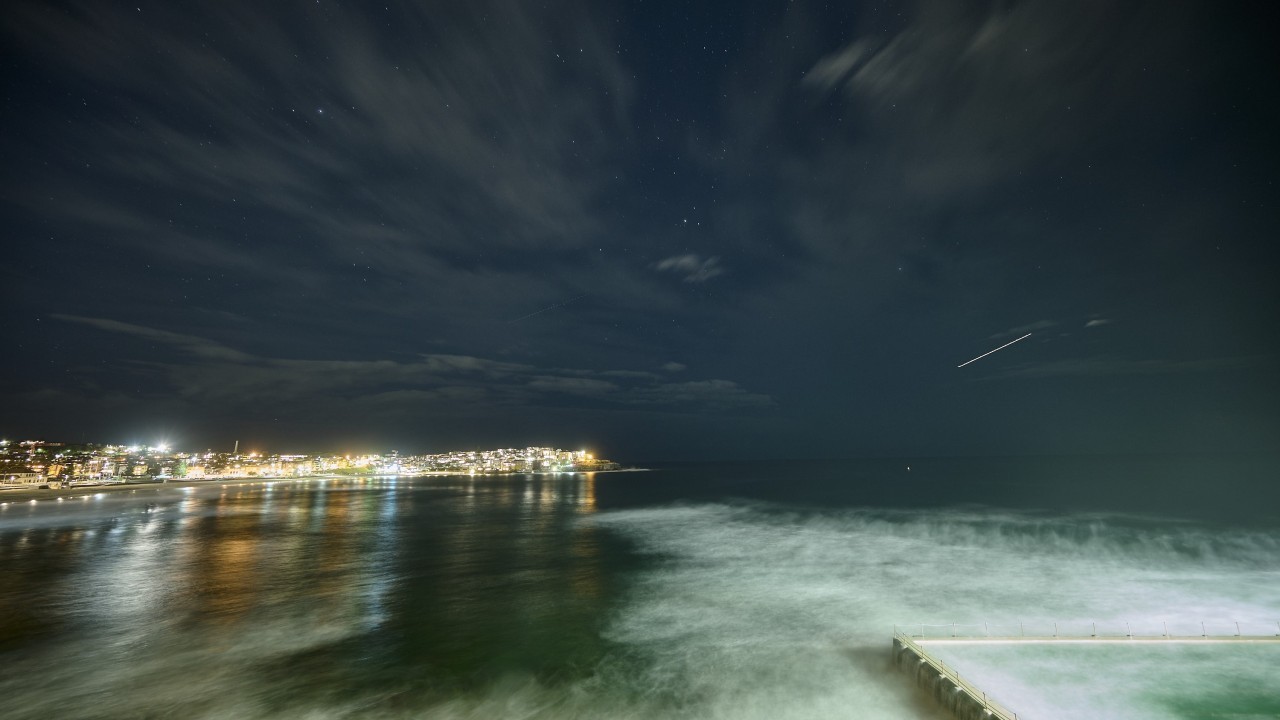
1024, 337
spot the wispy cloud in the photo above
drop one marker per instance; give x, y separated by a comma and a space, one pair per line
1097, 321
195, 346
228, 377
930, 85
718, 394
692, 267
1106, 366
1024, 329
297, 139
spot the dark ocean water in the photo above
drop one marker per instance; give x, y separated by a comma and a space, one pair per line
697, 591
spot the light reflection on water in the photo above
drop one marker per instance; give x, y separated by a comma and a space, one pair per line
625, 596
295, 594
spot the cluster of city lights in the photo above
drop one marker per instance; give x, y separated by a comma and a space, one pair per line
54, 464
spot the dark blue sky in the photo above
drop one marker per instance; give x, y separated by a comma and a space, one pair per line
661, 230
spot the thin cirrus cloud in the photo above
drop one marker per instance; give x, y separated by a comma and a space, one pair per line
1107, 366
313, 127
917, 67
1023, 329
692, 268
214, 373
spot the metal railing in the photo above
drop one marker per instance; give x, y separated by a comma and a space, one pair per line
1110, 630
992, 706
912, 636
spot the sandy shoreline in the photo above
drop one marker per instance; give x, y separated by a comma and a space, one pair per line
25, 495
17, 495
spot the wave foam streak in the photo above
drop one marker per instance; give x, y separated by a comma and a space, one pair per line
753, 612
388, 606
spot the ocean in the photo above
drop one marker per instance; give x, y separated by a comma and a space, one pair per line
707, 590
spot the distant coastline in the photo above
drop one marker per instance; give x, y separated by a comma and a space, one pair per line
41, 464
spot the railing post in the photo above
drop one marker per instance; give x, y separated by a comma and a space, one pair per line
1055, 629
1237, 628
1165, 623
1203, 632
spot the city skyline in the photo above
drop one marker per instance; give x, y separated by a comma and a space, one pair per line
49, 463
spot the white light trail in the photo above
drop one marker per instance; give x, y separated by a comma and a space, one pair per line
1024, 337
545, 309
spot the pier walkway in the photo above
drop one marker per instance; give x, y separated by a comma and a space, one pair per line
966, 701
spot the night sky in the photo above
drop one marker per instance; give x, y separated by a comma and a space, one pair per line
657, 230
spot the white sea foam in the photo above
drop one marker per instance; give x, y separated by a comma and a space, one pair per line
740, 611
753, 612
